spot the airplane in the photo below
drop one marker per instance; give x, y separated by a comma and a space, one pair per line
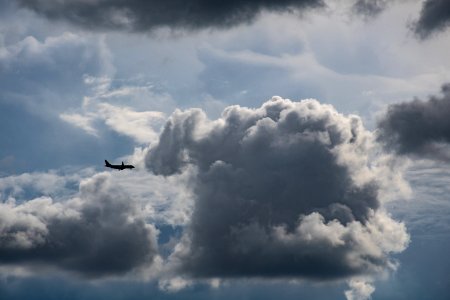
118, 167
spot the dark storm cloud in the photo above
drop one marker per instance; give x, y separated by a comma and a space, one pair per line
434, 17
281, 191
419, 127
141, 15
100, 233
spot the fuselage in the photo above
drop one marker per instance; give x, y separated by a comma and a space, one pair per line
118, 167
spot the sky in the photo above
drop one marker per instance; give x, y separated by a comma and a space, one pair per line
294, 149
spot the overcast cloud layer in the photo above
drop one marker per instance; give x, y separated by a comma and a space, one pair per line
285, 190
419, 127
99, 233
141, 15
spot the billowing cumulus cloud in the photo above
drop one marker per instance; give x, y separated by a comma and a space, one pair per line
141, 15
359, 290
434, 17
101, 232
286, 190
419, 127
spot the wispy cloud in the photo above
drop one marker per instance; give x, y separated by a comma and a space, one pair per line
83, 122
105, 107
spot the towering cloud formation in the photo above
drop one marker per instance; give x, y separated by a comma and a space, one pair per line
435, 16
100, 233
285, 190
419, 127
142, 15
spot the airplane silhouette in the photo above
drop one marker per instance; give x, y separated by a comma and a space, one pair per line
118, 167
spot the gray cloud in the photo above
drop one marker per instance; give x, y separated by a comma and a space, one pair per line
419, 127
434, 17
284, 190
99, 233
370, 7
140, 15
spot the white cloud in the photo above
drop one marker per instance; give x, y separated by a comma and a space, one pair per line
41, 183
141, 126
163, 200
106, 106
83, 122
174, 284
360, 289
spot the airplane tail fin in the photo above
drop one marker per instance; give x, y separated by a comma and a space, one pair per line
107, 164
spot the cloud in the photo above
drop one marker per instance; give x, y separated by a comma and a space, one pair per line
434, 17
99, 233
34, 73
164, 200
419, 127
83, 122
138, 125
140, 15
36, 86
239, 70
36, 183
429, 216
105, 105
359, 290
285, 190
370, 7
141, 126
